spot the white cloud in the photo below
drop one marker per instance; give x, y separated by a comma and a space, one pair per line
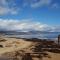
5, 8
41, 3
11, 7
25, 25
3, 2
56, 28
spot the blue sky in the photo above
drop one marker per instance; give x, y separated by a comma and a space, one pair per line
45, 12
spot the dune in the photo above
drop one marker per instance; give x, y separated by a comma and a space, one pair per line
20, 49
53, 56
13, 44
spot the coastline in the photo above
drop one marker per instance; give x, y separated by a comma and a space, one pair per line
12, 45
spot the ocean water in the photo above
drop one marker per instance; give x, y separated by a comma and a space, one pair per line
40, 36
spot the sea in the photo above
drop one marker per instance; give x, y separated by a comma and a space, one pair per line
39, 36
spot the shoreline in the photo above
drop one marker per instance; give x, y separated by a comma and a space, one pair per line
10, 46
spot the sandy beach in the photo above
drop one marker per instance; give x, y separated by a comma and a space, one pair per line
11, 45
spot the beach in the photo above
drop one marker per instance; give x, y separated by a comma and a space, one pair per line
11, 46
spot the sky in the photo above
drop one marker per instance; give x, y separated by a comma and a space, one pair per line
26, 15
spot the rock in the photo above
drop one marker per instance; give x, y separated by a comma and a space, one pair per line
1, 46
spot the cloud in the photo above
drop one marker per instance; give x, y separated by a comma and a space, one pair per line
8, 7
56, 28
15, 6
25, 25
55, 5
41, 3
